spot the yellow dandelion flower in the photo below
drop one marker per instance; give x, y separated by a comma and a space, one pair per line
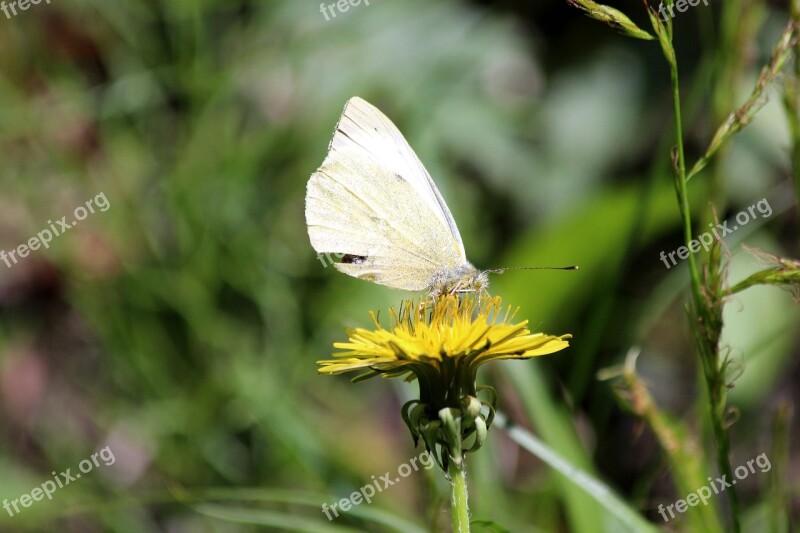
439, 336
442, 342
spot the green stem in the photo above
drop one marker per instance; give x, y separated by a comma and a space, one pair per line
723, 449
459, 504
680, 182
779, 505
701, 313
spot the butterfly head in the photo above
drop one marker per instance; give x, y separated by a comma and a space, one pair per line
465, 278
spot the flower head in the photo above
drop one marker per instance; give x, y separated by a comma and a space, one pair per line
441, 337
442, 342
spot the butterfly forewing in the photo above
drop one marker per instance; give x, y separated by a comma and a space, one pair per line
373, 200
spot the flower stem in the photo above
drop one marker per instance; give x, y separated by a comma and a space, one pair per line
459, 504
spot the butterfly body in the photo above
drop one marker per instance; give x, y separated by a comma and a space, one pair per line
465, 278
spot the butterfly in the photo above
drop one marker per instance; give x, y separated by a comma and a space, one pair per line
373, 203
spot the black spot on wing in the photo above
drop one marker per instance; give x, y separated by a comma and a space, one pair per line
354, 259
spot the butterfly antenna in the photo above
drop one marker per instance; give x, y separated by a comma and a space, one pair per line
501, 270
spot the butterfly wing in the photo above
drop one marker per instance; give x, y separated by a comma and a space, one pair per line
373, 200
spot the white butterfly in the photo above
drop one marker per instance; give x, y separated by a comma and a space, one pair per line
373, 203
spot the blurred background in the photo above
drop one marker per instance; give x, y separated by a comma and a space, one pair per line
180, 327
